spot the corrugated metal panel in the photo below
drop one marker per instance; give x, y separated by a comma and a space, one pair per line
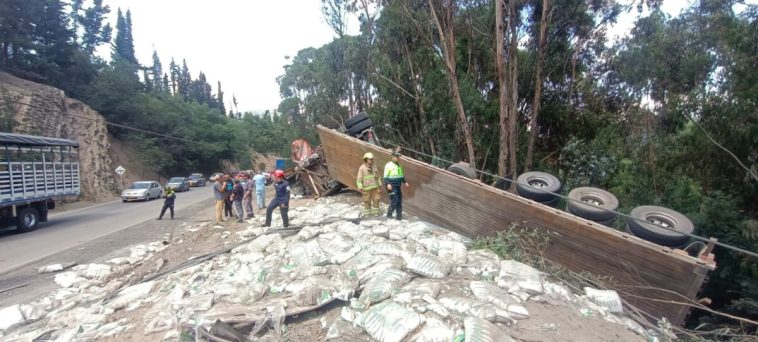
475, 209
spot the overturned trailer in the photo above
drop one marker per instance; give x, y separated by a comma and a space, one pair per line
655, 279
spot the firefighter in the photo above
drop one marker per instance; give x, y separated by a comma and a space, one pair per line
368, 183
281, 199
395, 178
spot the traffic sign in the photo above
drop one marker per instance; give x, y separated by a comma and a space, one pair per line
120, 170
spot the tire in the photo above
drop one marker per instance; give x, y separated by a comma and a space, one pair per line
642, 225
123, 200
538, 186
592, 204
27, 219
552, 203
360, 127
462, 169
608, 223
147, 197
351, 121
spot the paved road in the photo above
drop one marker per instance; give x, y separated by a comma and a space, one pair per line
69, 229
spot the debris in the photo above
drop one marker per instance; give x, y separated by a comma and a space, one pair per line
10, 317
386, 280
55, 267
608, 299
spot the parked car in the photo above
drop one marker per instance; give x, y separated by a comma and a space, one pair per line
142, 191
178, 184
196, 179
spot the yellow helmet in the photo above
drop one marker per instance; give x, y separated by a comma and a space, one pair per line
368, 155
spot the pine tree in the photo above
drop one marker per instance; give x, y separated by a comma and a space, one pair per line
76, 7
220, 99
166, 85
53, 42
123, 45
95, 33
147, 81
175, 72
157, 74
185, 80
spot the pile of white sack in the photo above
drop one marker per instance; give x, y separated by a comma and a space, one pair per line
390, 280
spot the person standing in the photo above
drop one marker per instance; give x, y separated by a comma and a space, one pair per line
394, 177
218, 194
247, 199
168, 202
236, 197
368, 183
228, 186
260, 189
281, 199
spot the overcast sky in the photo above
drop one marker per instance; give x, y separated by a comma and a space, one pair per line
240, 43
243, 43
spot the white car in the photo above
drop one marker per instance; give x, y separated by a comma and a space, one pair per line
142, 191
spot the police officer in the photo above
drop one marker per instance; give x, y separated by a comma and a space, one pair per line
281, 199
368, 183
168, 202
394, 177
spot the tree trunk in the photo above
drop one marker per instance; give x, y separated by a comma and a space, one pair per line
447, 40
513, 90
502, 86
419, 103
538, 78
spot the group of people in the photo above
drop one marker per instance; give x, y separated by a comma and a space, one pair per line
234, 199
368, 183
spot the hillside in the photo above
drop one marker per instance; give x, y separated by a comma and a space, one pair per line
31, 108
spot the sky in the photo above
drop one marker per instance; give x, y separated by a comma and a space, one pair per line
243, 43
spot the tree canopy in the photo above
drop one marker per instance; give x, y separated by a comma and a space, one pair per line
665, 116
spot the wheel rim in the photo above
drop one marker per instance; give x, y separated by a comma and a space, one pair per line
538, 183
29, 220
594, 200
661, 221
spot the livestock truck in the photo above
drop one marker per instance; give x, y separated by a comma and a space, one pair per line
34, 171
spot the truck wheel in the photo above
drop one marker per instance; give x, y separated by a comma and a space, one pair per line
27, 220
360, 127
651, 222
351, 121
592, 204
538, 186
462, 169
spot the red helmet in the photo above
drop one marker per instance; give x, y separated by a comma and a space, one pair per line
278, 173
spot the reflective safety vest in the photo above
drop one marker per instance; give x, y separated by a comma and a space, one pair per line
393, 171
367, 178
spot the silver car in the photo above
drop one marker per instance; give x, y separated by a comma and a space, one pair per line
142, 191
178, 183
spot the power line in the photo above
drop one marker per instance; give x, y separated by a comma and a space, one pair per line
697, 237
106, 122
